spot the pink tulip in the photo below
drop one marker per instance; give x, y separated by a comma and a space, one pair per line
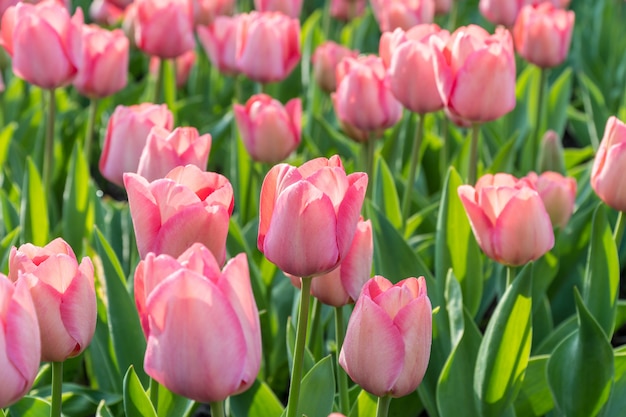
20, 345
325, 60
126, 136
505, 12
44, 42
183, 63
508, 218
291, 8
558, 194
543, 34
275, 37
170, 214
204, 336
607, 174
347, 10
164, 28
105, 12
63, 293
364, 81
412, 78
442, 6
343, 284
105, 62
167, 150
219, 40
387, 344
308, 215
205, 11
476, 74
390, 41
403, 14
269, 130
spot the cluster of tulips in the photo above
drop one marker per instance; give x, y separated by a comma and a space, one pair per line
196, 305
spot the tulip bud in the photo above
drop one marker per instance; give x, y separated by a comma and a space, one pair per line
551, 157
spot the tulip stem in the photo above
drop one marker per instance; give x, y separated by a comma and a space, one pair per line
48, 153
91, 125
443, 154
509, 277
382, 409
619, 229
536, 138
217, 409
298, 355
342, 377
473, 157
154, 394
159, 81
370, 148
415, 160
57, 389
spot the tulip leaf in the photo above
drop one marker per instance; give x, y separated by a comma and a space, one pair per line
34, 208
257, 401
558, 101
617, 401
128, 340
580, 370
505, 348
31, 407
136, 401
601, 283
5, 141
456, 246
385, 195
364, 406
173, 405
318, 390
535, 399
103, 410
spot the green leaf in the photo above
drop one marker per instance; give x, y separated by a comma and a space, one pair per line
103, 410
128, 339
34, 208
258, 401
136, 401
505, 348
456, 246
31, 407
559, 97
5, 140
535, 399
385, 194
79, 400
617, 401
601, 284
318, 390
173, 405
580, 370
365, 405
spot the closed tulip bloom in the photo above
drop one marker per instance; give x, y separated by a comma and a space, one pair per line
164, 28
607, 174
269, 130
505, 12
363, 98
403, 14
44, 42
273, 36
105, 12
476, 74
346, 10
442, 6
126, 136
387, 344
105, 62
20, 345
219, 40
308, 215
205, 11
63, 294
558, 194
189, 205
291, 8
325, 60
543, 34
204, 336
167, 150
508, 218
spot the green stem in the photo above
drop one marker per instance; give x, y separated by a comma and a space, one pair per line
158, 83
342, 377
618, 234
57, 389
473, 157
154, 394
536, 138
443, 155
315, 336
415, 160
91, 126
217, 409
382, 409
370, 148
48, 155
509, 277
298, 355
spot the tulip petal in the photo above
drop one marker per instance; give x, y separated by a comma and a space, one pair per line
357, 265
349, 211
144, 210
329, 289
479, 221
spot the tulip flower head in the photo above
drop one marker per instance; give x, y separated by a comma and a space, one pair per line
164, 28
346, 10
558, 194
325, 60
205, 11
505, 12
219, 40
403, 14
291, 8
607, 174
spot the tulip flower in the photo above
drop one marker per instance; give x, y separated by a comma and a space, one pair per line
291, 8
558, 194
309, 215
126, 136
390, 41
403, 14
44, 42
105, 62
105, 12
167, 150
387, 344
505, 12
275, 37
219, 42
205, 11
508, 218
346, 10
63, 294
325, 60
269, 130
442, 6
20, 345
164, 28
543, 34
205, 360
607, 174
189, 205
